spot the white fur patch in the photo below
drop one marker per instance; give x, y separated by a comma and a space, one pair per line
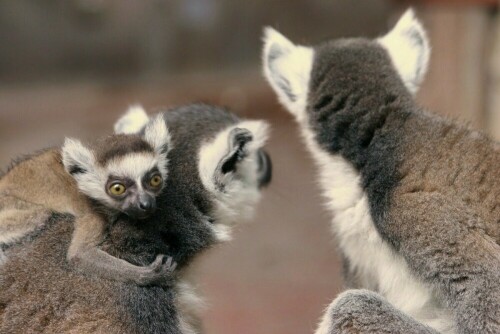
74, 153
133, 121
189, 305
375, 261
409, 49
157, 135
134, 165
287, 68
237, 201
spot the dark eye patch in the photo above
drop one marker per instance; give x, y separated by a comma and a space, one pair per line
127, 182
145, 179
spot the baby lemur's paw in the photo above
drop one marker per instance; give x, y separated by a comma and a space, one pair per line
159, 272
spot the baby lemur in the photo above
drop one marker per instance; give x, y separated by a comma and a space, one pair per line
119, 174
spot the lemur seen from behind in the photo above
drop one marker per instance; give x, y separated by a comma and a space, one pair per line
415, 197
121, 174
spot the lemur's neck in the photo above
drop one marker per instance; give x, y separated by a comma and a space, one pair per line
367, 131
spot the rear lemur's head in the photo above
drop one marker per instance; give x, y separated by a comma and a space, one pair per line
217, 167
123, 172
309, 80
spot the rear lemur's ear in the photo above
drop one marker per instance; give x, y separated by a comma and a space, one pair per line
287, 67
77, 159
133, 121
223, 159
157, 135
409, 49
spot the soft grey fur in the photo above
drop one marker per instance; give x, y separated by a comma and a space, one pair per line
432, 186
41, 293
366, 312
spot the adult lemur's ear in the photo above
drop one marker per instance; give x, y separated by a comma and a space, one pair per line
224, 159
133, 121
77, 159
409, 49
287, 67
157, 135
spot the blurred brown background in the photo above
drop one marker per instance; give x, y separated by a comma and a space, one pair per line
71, 67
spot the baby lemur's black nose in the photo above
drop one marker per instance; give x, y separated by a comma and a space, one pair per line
146, 205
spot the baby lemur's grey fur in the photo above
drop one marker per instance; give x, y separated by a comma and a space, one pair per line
216, 169
120, 174
415, 197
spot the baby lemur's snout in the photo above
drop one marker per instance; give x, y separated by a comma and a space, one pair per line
142, 206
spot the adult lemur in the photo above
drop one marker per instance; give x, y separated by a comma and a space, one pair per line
415, 198
216, 169
117, 174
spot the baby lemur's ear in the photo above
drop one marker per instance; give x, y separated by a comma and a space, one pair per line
157, 135
223, 159
287, 67
133, 121
77, 159
409, 49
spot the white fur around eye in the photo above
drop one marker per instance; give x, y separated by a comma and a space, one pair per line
409, 49
133, 165
287, 68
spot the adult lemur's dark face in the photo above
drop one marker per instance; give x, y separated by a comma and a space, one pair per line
217, 167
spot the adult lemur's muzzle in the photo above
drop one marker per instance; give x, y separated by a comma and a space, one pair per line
265, 170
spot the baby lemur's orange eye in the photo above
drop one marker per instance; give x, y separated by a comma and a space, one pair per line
155, 181
117, 189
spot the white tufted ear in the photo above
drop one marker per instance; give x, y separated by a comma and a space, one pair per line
409, 49
223, 159
133, 121
230, 168
157, 135
77, 159
287, 67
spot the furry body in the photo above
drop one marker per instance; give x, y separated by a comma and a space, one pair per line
190, 219
38, 186
415, 197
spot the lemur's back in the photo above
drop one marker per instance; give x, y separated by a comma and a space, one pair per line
415, 198
42, 180
440, 156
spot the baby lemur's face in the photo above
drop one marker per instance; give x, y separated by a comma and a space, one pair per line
124, 173
217, 169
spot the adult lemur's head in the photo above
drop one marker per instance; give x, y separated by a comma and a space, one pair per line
310, 80
217, 167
